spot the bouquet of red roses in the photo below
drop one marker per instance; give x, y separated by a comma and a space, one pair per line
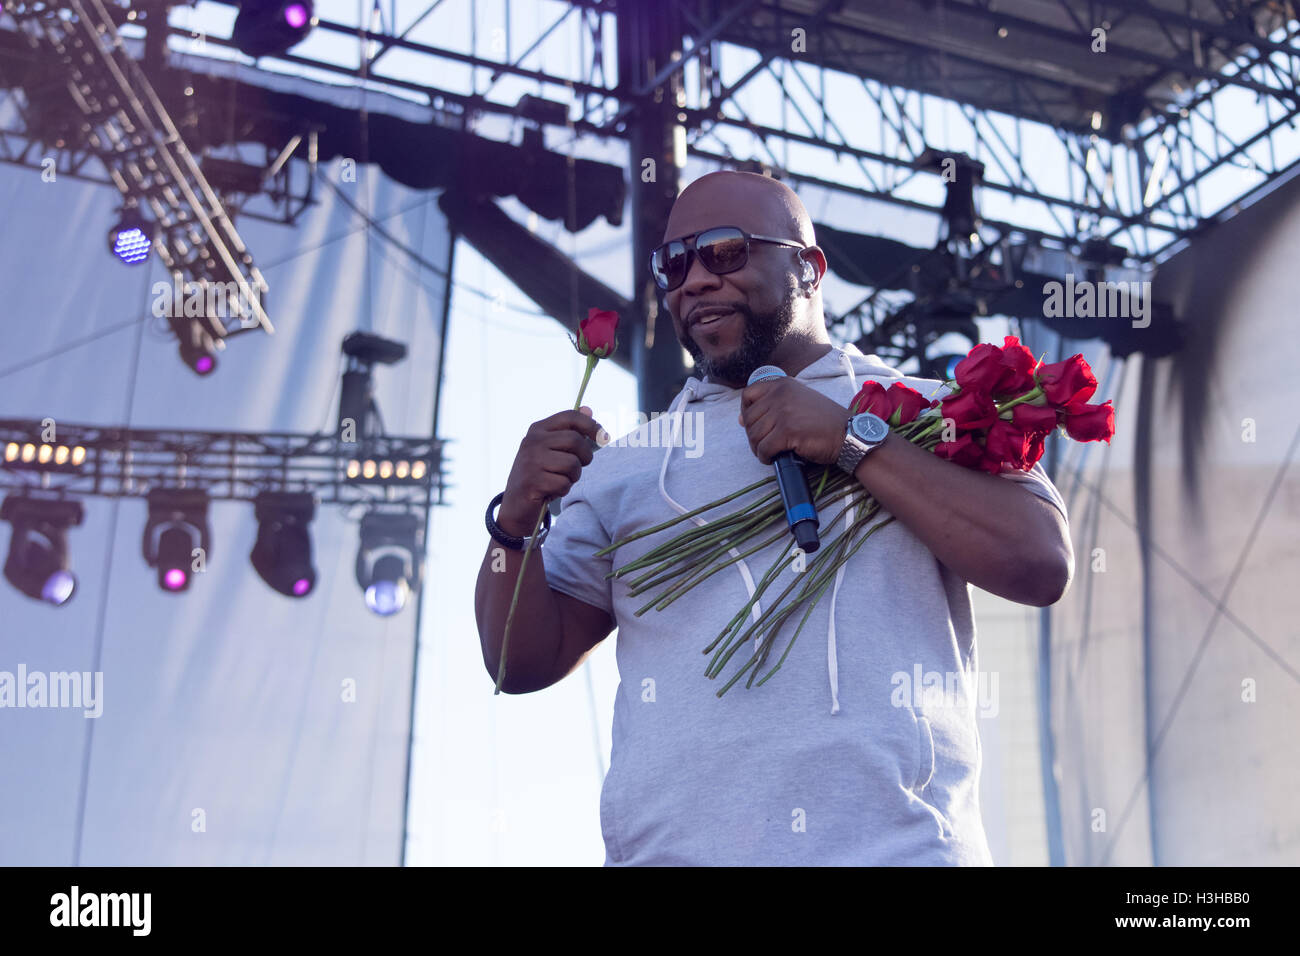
998, 411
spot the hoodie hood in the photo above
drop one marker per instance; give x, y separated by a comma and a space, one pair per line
846, 364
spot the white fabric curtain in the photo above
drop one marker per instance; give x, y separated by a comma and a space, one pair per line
226, 735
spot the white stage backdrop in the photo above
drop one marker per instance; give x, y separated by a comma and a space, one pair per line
225, 736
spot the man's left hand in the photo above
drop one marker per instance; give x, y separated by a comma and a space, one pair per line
784, 414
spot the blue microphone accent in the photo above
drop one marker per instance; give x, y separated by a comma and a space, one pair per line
802, 512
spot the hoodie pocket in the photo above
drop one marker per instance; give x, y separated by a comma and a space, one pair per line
925, 771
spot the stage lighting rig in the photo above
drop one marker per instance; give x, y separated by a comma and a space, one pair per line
390, 560
44, 457
266, 27
197, 347
37, 564
282, 554
131, 238
357, 409
177, 527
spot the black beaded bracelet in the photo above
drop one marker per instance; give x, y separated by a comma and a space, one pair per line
509, 540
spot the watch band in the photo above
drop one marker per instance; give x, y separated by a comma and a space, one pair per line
854, 448
852, 451
509, 540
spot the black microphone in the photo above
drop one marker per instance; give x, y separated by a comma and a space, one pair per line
790, 478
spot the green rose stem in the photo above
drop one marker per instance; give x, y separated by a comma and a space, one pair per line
823, 567
682, 587
523, 565
757, 514
680, 518
776, 613
815, 598
712, 548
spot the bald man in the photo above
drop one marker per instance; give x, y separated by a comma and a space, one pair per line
864, 750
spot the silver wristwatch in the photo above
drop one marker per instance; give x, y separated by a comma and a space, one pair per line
864, 432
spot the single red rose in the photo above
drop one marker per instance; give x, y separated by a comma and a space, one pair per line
1034, 418
598, 333
1068, 381
965, 451
872, 398
1084, 422
1007, 443
970, 410
1017, 368
907, 404
981, 369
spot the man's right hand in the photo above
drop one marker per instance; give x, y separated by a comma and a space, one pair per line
549, 462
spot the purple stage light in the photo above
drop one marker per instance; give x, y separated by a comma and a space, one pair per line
301, 587
59, 587
295, 14
203, 365
174, 579
132, 245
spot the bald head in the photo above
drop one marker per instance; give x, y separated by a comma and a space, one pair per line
763, 306
757, 204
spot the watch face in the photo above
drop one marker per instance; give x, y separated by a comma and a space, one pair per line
869, 427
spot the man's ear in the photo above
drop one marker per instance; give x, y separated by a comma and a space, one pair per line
812, 268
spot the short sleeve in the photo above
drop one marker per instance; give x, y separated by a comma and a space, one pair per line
1036, 480
575, 535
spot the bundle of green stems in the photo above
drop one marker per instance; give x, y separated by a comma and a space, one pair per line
675, 566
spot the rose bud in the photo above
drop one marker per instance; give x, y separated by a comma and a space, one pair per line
1084, 422
1017, 368
872, 398
965, 451
970, 410
1067, 381
981, 369
1033, 418
1007, 443
598, 333
907, 404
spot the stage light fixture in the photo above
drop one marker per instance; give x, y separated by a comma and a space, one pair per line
131, 239
282, 554
266, 27
178, 524
44, 457
197, 348
390, 560
37, 564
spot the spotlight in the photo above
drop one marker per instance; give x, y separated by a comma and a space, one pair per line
132, 238
282, 553
197, 348
265, 27
177, 526
390, 559
37, 564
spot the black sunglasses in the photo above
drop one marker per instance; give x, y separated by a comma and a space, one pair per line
721, 249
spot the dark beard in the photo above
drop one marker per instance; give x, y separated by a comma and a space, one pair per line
763, 333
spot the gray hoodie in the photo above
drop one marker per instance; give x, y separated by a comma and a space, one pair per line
862, 750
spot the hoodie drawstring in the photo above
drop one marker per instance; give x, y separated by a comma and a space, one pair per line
832, 665
678, 405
